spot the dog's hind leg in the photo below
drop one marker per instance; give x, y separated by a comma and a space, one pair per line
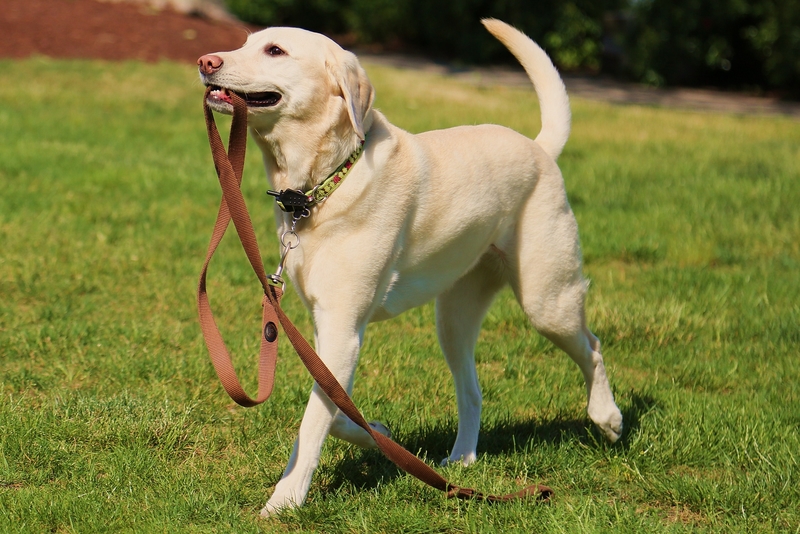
584, 349
550, 287
459, 314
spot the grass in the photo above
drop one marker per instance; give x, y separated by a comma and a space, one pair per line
112, 420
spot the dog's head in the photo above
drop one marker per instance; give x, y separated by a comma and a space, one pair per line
288, 74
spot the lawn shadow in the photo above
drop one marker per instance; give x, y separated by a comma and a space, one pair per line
366, 469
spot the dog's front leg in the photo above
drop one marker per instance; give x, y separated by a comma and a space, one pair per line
338, 347
292, 489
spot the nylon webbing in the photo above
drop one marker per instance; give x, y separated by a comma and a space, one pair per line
229, 168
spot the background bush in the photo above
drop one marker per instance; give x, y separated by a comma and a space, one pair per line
571, 31
750, 44
723, 43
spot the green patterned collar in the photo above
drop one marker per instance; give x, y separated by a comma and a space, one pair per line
324, 190
299, 203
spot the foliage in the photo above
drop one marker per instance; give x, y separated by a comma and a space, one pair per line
112, 420
571, 31
317, 15
725, 43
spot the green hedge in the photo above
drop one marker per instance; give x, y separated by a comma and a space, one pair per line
448, 29
724, 43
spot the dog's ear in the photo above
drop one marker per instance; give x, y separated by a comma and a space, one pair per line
352, 82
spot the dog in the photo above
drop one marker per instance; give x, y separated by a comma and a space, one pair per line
453, 214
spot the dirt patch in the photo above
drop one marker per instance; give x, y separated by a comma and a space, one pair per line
112, 31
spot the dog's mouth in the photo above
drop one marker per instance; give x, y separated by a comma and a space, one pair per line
266, 99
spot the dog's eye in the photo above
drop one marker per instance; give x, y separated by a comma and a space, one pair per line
274, 51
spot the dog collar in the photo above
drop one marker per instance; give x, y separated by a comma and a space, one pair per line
298, 202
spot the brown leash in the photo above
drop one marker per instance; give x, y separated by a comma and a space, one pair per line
229, 166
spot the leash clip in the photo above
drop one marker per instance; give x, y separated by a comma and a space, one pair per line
290, 240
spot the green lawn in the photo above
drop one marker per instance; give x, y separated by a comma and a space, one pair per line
112, 419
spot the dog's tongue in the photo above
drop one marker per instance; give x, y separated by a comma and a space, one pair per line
221, 95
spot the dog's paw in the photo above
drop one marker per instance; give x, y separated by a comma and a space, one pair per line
276, 505
609, 421
380, 428
268, 512
462, 459
344, 428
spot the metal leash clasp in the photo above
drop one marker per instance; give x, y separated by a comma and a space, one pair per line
289, 240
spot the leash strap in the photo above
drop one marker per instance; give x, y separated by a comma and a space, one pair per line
229, 166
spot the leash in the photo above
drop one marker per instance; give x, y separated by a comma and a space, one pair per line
229, 166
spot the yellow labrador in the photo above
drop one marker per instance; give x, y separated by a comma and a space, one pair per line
453, 215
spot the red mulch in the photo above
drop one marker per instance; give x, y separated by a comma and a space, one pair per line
112, 31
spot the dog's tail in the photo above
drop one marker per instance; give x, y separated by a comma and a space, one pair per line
552, 94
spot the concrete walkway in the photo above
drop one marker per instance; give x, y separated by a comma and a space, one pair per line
604, 89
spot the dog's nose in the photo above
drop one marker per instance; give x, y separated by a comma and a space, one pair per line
209, 64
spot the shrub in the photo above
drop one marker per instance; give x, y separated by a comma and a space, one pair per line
325, 16
724, 43
570, 31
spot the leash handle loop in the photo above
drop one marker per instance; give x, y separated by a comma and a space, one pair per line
230, 166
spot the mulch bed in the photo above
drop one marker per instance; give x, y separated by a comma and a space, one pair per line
111, 31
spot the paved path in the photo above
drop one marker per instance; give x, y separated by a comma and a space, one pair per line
605, 89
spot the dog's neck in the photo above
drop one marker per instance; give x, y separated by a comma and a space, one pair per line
300, 158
